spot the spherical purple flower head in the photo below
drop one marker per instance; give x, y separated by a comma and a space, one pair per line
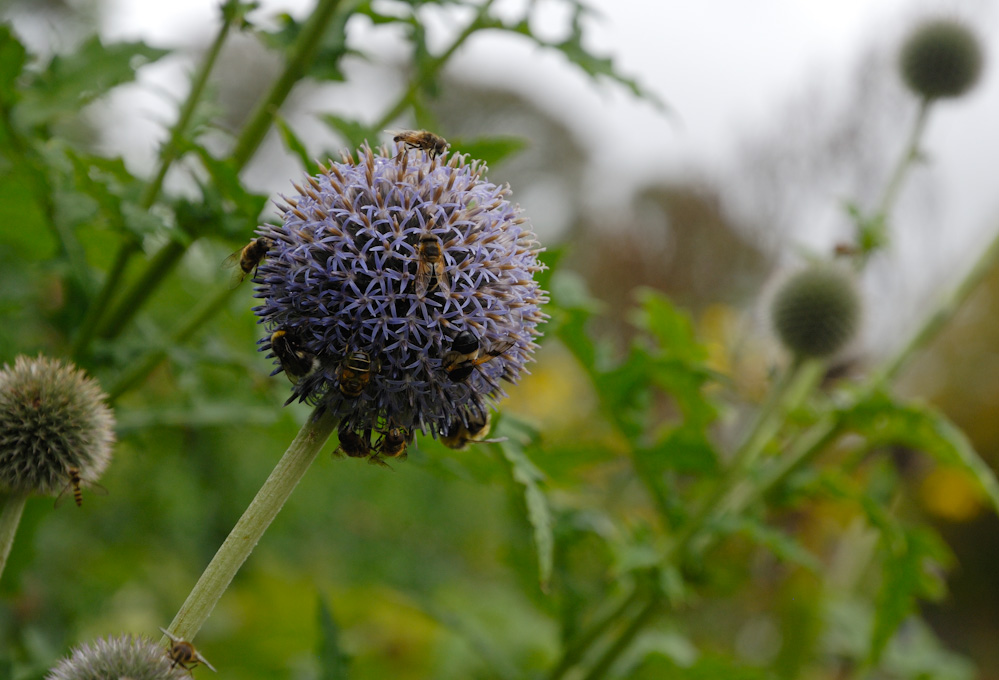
394, 256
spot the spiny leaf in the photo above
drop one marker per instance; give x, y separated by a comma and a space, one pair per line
294, 144
525, 473
353, 132
334, 663
885, 421
13, 56
491, 150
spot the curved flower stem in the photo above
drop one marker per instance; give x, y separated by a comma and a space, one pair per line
910, 154
169, 152
163, 262
251, 526
10, 517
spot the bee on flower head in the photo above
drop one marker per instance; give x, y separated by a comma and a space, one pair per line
352, 444
459, 436
467, 352
434, 145
393, 443
183, 654
430, 266
248, 258
354, 373
297, 363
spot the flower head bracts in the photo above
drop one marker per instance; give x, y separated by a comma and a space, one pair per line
379, 265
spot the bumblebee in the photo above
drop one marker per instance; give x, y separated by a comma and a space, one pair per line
435, 145
430, 266
248, 258
75, 482
459, 436
296, 362
352, 444
183, 654
393, 443
467, 353
354, 373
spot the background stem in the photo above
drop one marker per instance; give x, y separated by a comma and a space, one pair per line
10, 517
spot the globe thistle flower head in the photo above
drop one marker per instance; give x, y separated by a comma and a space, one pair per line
941, 58
816, 311
118, 657
399, 290
53, 423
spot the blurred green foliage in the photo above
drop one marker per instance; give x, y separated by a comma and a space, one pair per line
659, 534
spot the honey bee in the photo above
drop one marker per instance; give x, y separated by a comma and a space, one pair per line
183, 654
459, 436
431, 266
248, 258
354, 373
435, 145
75, 482
296, 362
467, 353
393, 443
352, 444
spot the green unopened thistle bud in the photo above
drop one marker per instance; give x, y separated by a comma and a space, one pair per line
816, 311
941, 58
54, 426
119, 657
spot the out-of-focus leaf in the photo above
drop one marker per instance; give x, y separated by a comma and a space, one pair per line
903, 580
334, 663
784, 547
883, 421
294, 144
236, 12
686, 448
332, 48
13, 56
74, 80
353, 132
205, 415
661, 664
525, 473
492, 150
231, 210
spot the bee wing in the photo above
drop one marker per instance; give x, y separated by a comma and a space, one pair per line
423, 276
96, 489
494, 351
443, 281
170, 635
234, 262
63, 495
203, 660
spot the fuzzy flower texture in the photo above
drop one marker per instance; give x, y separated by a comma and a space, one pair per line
399, 291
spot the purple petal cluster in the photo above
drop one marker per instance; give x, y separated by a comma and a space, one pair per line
347, 275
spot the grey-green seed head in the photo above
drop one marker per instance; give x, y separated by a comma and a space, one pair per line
941, 58
52, 418
816, 311
118, 657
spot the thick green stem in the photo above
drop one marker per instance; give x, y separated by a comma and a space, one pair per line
168, 154
251, 526
143, 367
910, 154
10, 517
302, 52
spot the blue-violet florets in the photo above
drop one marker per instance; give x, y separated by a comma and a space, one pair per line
379, 265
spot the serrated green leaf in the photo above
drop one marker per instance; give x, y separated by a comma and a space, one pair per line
294, 144
13, 57
525, 473
72, 81
334, 663
227, 209
784, 547
884, 421
686, 448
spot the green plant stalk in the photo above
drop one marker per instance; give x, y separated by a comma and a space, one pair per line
617, 647
252, 525
169, 152
144, 366
574, 652
301, 54
910, 154
163, 262
425, 74
10, 517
